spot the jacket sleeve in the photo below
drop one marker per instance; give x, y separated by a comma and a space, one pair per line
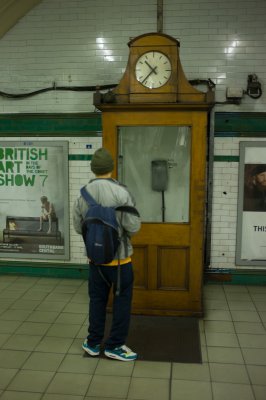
131, 223
77, 217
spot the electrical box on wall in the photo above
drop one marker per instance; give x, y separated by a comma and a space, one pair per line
234, 93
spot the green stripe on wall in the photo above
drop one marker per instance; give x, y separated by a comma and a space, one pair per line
79, 157
47, 272
46, 264
226, 124
235, 277
44, 269
226, 158
85, 157
87, 124
227, 276
246, 124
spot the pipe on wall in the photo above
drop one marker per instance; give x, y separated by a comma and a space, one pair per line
160, 16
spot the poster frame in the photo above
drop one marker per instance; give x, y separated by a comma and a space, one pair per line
243, 146
63, 145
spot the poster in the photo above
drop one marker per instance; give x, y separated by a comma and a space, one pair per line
34, 217
251, 233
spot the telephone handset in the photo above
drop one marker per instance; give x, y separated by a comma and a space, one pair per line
159, 183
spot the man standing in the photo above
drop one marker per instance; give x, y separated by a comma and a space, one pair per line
109, 193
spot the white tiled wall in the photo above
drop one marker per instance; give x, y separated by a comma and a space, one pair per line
79, 175
84, 43
224, 214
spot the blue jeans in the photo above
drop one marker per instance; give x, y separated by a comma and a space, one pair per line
101, 280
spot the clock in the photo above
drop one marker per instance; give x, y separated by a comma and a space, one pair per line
153, 69
153, 74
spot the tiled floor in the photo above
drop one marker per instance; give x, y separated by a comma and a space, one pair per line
44, 320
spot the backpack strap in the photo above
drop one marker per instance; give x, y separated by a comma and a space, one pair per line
128, 209
89, 199
92, 202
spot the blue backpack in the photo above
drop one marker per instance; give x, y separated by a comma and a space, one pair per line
100, 230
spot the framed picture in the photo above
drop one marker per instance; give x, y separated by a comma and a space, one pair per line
34, 216
251, 216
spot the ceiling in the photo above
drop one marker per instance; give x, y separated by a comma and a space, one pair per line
11, 11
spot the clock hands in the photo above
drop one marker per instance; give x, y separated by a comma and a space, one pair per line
152, 71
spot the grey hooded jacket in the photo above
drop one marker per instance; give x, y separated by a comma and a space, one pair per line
109, 193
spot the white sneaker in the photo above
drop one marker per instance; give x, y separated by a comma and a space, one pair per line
122, 353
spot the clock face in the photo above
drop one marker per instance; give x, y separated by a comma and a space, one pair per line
153, 69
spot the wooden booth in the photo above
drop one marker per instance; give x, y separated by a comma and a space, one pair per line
155, 125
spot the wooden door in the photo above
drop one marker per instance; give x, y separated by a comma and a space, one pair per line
168, 257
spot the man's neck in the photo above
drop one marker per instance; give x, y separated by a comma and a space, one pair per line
105, 176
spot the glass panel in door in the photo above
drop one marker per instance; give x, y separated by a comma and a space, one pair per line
154, 163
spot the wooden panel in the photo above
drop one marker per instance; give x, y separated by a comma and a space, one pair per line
173, 268
140, 265
163, 234
153, 97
